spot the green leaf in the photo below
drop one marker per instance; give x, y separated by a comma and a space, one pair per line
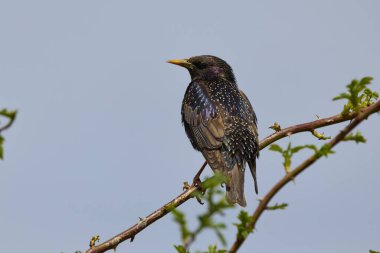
358, 95
342, 96
206, 219
287, 162
357, 137
325, 150
180, 249
214, 200
214, 249
288, 153
312, 147
347, 108
296, 149
373, 251
216, 180
243, 227
180, 218
281, 206
275, 147
11, 115
366, 80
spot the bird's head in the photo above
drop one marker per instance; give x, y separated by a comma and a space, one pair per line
206, 67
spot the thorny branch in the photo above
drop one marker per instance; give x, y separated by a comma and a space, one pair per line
131, 232
358, 118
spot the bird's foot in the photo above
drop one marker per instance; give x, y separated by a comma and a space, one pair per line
199, 200
198, 183
200, 191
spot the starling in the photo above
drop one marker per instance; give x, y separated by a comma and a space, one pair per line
220, 122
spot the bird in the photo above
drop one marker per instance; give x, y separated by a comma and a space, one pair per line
220, 122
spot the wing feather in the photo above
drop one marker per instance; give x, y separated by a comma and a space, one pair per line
203, 124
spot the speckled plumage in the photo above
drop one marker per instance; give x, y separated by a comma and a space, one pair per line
220, 122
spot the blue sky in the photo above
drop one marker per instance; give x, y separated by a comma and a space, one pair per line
98, 140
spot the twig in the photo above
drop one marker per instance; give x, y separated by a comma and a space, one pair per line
162, 211
305, 127
135, 229
312, 159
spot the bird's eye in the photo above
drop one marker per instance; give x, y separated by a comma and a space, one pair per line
200, 65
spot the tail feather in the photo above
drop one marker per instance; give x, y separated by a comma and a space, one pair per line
235, 186
235, 176
252, 166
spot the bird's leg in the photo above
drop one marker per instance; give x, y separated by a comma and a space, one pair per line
197, 181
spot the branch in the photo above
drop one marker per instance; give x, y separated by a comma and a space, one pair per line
189, 193
135, 229
358, 118
306, 127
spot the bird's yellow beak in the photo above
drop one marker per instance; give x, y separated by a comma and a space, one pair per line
181, 62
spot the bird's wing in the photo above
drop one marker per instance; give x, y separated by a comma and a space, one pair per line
203, 124
252, 115
251, 118
252, 125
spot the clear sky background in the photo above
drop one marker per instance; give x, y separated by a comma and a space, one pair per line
98, 140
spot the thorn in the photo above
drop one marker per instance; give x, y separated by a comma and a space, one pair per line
142, 222
132, 238
317, 116
186, 186
291, 178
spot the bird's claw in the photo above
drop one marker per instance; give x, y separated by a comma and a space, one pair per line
198, 184
199, 200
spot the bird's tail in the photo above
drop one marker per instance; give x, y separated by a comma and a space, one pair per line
235, 186
252, 166
235, 176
